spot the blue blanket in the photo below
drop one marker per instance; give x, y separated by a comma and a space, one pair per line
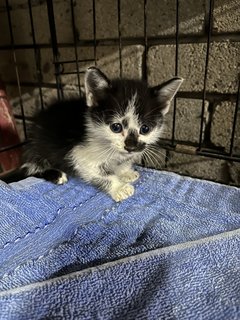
172, 251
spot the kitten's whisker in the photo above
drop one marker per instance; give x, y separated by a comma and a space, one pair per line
158, 151
107, 152
154, 156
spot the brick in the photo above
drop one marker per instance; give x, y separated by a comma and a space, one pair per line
223, 67
234, 170
236, 146
66, 54
194, 166
21, 26
41, 23
4, 36
222, 126
199, 167
226, 16
108, 61
26, 66
132, 18
161, 17
106, 19
222, 122
28, 102
7, 70
161, 65
188, 120
132, 61
83, 11
63, 21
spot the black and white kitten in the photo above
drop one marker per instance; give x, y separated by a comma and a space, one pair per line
101, 136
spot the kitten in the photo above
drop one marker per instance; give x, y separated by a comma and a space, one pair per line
101, 136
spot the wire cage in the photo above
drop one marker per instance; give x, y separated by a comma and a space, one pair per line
46, 46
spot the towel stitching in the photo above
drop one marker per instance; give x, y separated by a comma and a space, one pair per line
55, 217
45, 225
186, 203
74, 234
31, 232
5, 275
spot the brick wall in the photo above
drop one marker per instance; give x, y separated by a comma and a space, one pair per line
153, 57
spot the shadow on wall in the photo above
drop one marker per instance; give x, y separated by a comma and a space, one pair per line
160, 22
161, 19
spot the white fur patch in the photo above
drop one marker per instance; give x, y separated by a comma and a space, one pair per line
63, 179
129, 176
31, 168
123, 192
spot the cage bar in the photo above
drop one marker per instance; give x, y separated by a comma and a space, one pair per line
16, 68
94, 33
176, 71
209, 32
119, 36
36, 55
57, 65
237, 107
144, 67
75, 39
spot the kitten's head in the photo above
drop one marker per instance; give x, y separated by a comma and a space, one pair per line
127, 114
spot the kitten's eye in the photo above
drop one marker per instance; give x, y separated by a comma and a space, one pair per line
116, 127
144, 129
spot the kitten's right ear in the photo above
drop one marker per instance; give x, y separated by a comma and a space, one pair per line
166, 92
96, 85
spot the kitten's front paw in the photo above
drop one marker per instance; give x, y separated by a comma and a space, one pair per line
123, 192
129, 176
55, 176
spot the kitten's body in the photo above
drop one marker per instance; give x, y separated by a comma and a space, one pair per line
99, 137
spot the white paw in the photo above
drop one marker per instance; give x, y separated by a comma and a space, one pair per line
123, 192
63, 179
129, 176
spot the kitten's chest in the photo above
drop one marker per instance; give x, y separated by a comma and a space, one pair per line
95, 157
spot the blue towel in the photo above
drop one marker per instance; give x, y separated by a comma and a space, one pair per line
169, 252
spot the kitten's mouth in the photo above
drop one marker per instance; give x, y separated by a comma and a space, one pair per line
130, 153
134, 150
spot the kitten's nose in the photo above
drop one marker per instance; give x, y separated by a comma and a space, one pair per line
130, 148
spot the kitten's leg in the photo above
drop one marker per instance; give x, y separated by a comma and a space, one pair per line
126, 173
112, 185
117, 189
108, 182
53, 175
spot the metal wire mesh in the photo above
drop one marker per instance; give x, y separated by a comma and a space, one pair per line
202, 147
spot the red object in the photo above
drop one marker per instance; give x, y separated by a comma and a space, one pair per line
9, 159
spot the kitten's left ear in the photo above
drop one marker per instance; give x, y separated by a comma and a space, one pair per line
166, 92
96, 85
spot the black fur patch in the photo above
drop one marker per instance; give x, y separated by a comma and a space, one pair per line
117, 100
53, 175
125, 123
131, 142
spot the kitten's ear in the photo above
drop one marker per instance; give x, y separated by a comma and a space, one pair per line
166, 92
96, 85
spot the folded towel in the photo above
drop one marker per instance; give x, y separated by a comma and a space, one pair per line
71, 252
